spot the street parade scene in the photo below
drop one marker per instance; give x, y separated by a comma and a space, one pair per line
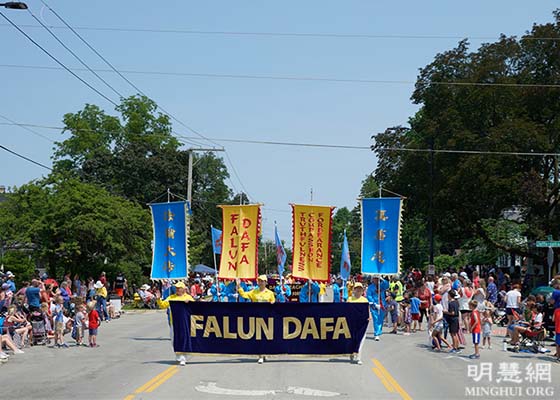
279, 200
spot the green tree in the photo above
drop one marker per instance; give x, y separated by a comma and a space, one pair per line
492, 116
76, 227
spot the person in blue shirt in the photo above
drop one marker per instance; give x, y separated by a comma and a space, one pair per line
230, 292
217, 291
492, 291
376, 297
309, 292
340, 291
10, 281
282, 292
33, 294
415, 311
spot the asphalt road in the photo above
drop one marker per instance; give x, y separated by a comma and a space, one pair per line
135, 361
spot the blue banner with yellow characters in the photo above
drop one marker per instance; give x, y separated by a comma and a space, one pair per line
381, 233
262, 328
169, 259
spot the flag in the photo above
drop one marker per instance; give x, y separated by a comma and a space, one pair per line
381, 234
216, 240
312, 227
241, 229
169, 260
280, 252
345, 265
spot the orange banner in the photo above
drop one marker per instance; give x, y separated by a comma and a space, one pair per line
240, 243
312, 227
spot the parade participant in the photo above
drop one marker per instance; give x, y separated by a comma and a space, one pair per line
358, 297
340, 291
217, 290
259, 295
376, 297
555, 300
230, 291
282, 291
309, 292
179, 295
322, 292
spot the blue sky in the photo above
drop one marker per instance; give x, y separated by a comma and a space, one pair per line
302, 111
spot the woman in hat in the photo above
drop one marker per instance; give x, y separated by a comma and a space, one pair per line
358, 297
101, 294
179, 295
261, 294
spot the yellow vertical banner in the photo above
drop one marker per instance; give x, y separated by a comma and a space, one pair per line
312, 228
240, 242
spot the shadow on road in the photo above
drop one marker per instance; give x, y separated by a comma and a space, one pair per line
151, 338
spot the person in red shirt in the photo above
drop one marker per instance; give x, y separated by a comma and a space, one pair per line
93, 323
475, 328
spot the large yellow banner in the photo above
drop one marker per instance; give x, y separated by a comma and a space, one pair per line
241, 227
312, 242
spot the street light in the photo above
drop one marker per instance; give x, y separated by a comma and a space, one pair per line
14, 5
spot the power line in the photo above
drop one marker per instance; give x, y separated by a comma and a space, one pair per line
26, 127
74, 54
106, 61
497, 153
295, 78
56, 60
25, 158
237, 176
287, 34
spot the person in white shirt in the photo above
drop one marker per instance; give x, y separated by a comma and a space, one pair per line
513, 301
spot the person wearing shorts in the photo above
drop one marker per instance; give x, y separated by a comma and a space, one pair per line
437, 324
475, 328
452, 318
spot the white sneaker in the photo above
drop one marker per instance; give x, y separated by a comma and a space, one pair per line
18, 351
261, 360
376, 338
182, 360
3, 356
359, 362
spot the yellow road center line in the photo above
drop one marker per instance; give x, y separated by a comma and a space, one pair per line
129, 397
391, 380
161, 381
154, 379
383, 380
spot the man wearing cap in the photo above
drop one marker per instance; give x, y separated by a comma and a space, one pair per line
261, 294
358, 297
10, 281
376, 297
179, 295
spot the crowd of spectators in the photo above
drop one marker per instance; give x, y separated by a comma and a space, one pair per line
44, 311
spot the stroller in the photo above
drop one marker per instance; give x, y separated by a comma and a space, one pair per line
38, 329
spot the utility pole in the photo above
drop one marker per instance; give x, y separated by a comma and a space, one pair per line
431, 201
190, 172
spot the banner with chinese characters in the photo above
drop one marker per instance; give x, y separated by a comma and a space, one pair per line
381, 234
169, 259
312, 242
240, 239
259, 328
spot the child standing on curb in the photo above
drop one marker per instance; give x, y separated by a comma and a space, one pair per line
59, 322
486, 328
94, 321
475, 325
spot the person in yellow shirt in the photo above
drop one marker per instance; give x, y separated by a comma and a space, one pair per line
261, 294
322, 292
101, 297
358, 297
179, 295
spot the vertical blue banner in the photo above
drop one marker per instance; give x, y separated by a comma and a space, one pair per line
216, 240
280, 252
381, 225
345, 265
169, 259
